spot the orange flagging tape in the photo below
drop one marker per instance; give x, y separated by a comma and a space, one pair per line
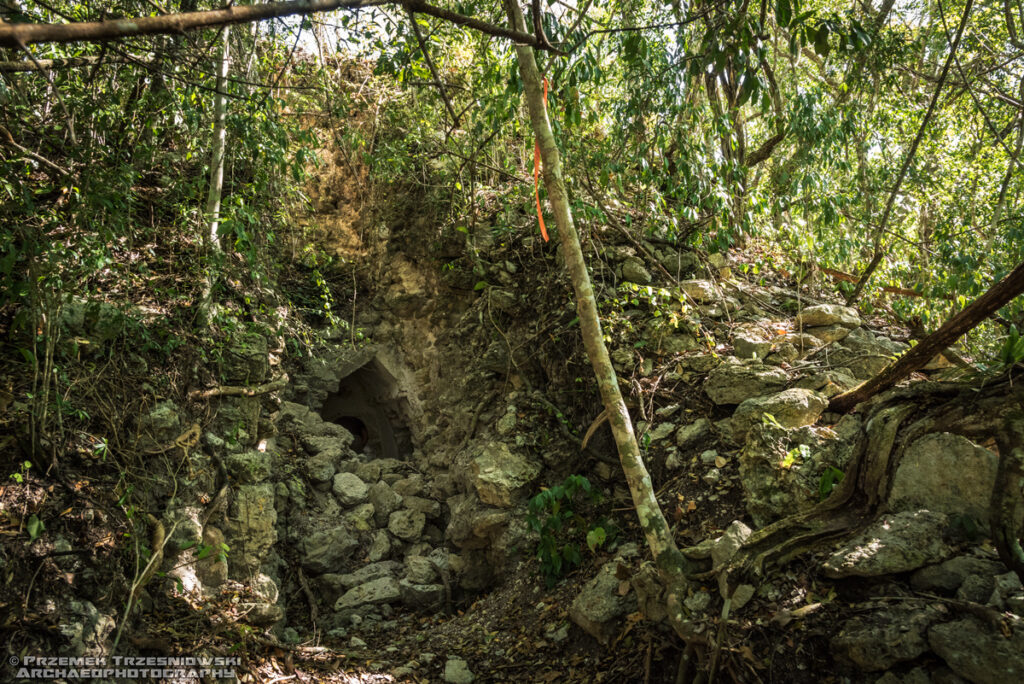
536, 172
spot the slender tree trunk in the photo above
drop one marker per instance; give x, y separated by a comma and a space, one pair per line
219, 143
975, 312
670, 562
216, 188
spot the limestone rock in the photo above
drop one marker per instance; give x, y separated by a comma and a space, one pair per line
321, 466
246, 360
700, 291
409, 486
385, 502
380, 547
473, 526
746, 345
419, 570
213, 569
327, 550
978, 654
948, 576
634, 271
349, 489
947, 473
780, 470
726, 546
421, 596
735, 383
428, 507
828, 314
456, 671
382, 590
677, 343
368, 472
250, 467
898, 542
252, 525
791, 408
599, 608
499, 474
407, 525
828, 333
694, 434
162, 424
360, 517
363, 575
881, 639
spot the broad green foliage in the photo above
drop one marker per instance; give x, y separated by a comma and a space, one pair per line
554, 515
705, 123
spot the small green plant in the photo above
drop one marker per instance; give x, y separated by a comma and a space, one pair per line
204, 550
552, 514
19, 476
829, 479
1012, 351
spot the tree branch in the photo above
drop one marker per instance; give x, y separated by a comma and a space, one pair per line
17, 35
876, 259
981, 308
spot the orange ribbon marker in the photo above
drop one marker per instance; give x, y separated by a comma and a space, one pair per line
536, 172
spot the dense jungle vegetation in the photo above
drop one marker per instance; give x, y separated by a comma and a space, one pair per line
163, 164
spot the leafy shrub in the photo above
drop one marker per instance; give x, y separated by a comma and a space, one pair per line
553, 515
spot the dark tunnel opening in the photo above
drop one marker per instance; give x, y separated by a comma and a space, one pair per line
370, 405
360, 434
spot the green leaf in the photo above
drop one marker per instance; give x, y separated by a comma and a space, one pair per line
35, 527
829, 479
821, 44
783, 13
596, 538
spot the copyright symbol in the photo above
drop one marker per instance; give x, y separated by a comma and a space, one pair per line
13, 660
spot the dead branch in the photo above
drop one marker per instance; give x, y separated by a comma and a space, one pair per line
230, 391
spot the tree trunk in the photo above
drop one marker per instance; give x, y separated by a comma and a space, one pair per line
219, 143
670, 562
213, 197
975, 312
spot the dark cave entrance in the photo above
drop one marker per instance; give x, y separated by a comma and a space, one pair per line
370, 404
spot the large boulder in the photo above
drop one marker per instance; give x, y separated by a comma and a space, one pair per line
828, 314
781, 470
381, 590
328, 550
252, 526
499, 474
895, 543
634, 271
246, 360
599, 607
978, 653
349, 489
701, 291
881, 639
790, 408
733, 383
947, 473
473, 526
385, 502
407, 525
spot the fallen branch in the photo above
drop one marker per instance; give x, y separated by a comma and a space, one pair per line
974, 313
230, 391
